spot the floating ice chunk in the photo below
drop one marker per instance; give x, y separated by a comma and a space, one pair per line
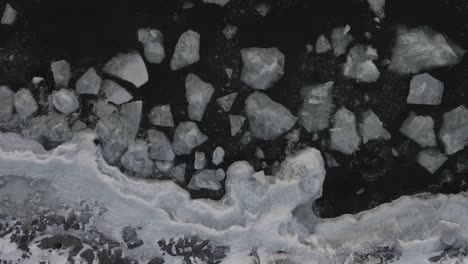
317, 106
112, 131
160, 147
14, 142
340, 39
187, 50
129, 67
198, 95
61, 71
37, 80
420, 129
425, 89
331, 162
228, 72
187, 5
25, 104
161, 116
187, 136
57, 128
78, 126
263, 9
343, 135
115, 93
378, 7
229, 31
89, 82
262, 67
9, 15
267, 118
178, 173
6, 103
218, 2
236, 122
132, 114
322, 45
200, 160
359, 64
207, 179
218, 156
371, 127
102, 108
454, 130
65, 101
309, 48
431, 159
153, 44
225, 102
137, 161
420, 49
163, 166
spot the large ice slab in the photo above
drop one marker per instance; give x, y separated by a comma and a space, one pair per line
25, 104
161, 116
267, 119
89, 82
431, 159
160, 147
420, 129
198, 95
359, 64
371, 127
426, 90
454, 130
317, 106
421, 48
136, 160
261, 67
65, 101
129, 67
187, 136
61, 72
6, 103
343, 135
153, 44
115, 93
340, 39
186, 51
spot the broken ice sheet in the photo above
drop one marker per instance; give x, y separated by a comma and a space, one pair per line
225, 102
343, 135
186, 51
198, 95
454, 130
129, 67
262, 67
426, 90
420, 129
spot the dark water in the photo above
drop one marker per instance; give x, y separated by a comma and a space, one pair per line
88, 33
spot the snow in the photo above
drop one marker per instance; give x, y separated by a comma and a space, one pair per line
200, 160
229, 31
359, 64
262, 67
343, 135
187, 50
9, 15
422, 48
61, 72
6, 103
431, 159
317, 106
371, 127
65, 101
236, 122
161, 116
198, 95
24, 103
115, 93
426, 90
322, 45
136, 160
226, 102
129, 67
153, 44
267, 119
218, 156
89, 82
218, 2
420, 129
340, 39
454, 130
187, 136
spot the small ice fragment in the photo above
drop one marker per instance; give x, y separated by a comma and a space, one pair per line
344, 136
359, 64
129, 67
371, 127
160, 147
25, 104
9, 15
198, 95
187, 5
65, 101
115, 93
263, 9
161, 116
226, 102
78, 126
6, 103
420, 129
267, 119
340, 39
218, 2
228, 72
331, 162
322, 45
153, 44
218, 156
262, 67
426, 90
431, 159
317, 106
178, 173
187, 50
37, 80
236, 122
61, 72
89, 82
200, 160
137, 161
229, 31
309, 48
112, 131
102, 108
187, 136
454, 130
206, 179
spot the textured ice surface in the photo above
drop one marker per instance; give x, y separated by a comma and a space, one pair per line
187, 50
420, 129
25, 104
9, 15
317, 106
198, 95
6, 103
129, 67
371, 127
359, 64
61, 72
161, 116
454, 130
261, 67
65, 101
378, 7
112, 131
322, 45
267, 119
14, 142
136, 160
340, 39
89, 82
218, 2
431, 159
225, 102
218, 156
236, 122
426, 90
160, 147
343, 135
421, 48
153, 44
187, 136
115, 93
